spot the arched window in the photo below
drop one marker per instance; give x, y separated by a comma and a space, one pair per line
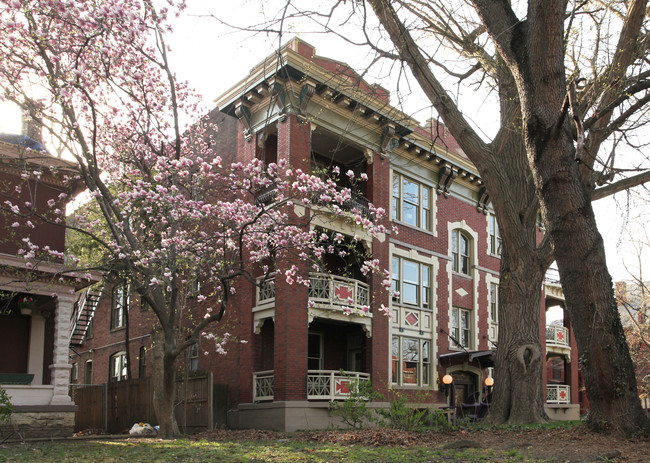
460, 252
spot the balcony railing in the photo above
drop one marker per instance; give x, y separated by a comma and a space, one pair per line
557, 335
333, 384
558, 394
321, 384
263, 385
325, 291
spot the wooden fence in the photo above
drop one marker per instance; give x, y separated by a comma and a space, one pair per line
115, 407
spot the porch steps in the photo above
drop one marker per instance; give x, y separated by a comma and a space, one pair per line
83, 313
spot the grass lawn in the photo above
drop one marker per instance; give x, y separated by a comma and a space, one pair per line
182, 450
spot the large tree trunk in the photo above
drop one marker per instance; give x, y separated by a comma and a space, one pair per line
164, 391
578, 247
518, 388
580, 254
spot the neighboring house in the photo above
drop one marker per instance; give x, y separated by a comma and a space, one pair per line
37, 304
443, 259
634, 308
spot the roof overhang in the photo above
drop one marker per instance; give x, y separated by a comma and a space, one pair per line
485, 358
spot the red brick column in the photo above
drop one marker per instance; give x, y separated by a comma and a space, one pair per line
379, 191
290, 351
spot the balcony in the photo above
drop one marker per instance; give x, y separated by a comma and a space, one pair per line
557, 336
330, 296
321, 384
557, 341
558, 394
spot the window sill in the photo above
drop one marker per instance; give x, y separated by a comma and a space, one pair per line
119, 328
413, 227
462, 275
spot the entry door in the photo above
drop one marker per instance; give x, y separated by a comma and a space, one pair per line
355, 352
314, 351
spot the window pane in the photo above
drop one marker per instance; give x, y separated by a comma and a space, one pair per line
396, 212
409, 293
464, 245
410, 214
395, 359
411, 270
425, 363
411, 357
425, 286
454, 242
411, 192
464, 265
464, 319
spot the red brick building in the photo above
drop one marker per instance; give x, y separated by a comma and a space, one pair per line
443, 257
36, 295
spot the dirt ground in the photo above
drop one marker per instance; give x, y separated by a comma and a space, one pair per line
574, 445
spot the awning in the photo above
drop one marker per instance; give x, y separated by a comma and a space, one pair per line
485, 358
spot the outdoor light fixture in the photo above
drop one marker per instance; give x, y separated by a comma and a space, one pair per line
489, 382
446, 381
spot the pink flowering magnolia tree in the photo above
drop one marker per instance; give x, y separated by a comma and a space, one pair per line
168, 211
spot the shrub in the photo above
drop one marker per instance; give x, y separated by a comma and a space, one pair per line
354, 411
6, 407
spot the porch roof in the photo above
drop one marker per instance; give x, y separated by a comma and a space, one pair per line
484, 357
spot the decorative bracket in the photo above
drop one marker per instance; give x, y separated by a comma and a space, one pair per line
243, 113
483, 200
280, 95
446, 178
307, 91
388, 142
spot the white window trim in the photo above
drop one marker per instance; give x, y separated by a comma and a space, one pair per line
431, 226
497, 254
474, 274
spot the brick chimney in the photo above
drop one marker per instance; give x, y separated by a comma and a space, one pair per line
32, 128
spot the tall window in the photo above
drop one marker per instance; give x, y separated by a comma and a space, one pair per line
142, 362
411, 202
117, 366
494, 302
461, 327
193, 357
315, 351
88, 372
411, 282
460, 252
411, 361
119, 305
495, 237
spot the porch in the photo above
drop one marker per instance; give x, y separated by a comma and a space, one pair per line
321, 384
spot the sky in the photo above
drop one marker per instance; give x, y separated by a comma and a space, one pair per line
213, 55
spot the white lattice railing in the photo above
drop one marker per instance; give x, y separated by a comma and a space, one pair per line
557, 335
332, 291
325, 291
333, 384
263, 384
558, 394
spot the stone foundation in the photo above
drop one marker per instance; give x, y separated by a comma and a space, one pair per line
29, 424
